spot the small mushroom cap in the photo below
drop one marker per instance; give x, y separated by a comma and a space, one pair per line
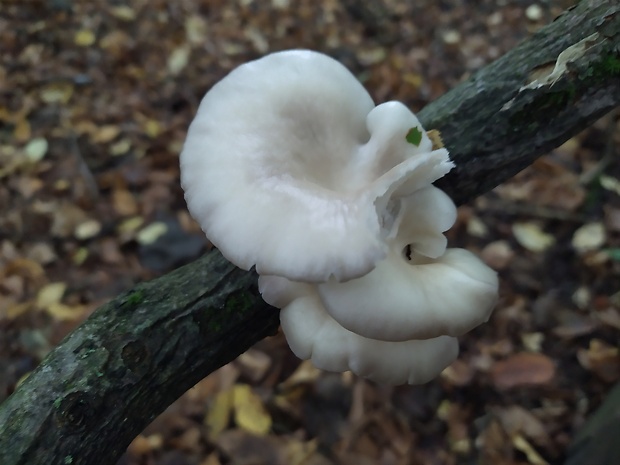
313, 334
401, 300
289, 167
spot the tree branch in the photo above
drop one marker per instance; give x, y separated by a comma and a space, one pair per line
137, 354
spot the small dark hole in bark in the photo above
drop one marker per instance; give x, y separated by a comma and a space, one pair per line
134, 355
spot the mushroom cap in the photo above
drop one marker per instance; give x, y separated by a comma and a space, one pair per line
401, 300
313, 334
289, 167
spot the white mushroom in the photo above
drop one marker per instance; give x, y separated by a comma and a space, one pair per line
313, 335
289, 167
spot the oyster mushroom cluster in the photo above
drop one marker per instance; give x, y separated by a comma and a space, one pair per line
290, 167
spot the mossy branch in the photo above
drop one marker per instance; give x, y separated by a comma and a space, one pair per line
135, 355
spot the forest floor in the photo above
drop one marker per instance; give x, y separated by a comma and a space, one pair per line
95, 100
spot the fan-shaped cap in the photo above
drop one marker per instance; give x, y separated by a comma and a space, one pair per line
313, 334
290, 167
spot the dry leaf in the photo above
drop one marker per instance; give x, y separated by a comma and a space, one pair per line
517, 420
36, 149
50, 294
602, 359
306, 372
531, 237
533, 457
151, 233
124, 202
123, 12
59, 92
522, 369
589, 237
250, 414
254, 364
84, 38
105, 134
178, 59
218, 415
63, 312
87, 229
498, 255
196, 30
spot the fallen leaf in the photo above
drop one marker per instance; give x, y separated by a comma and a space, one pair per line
87, 229
120, 148
151, 233
63, 312
533, 341
610, 183
218, 415
105, 134
123, 12
517, 420
250, 414
58, 92
531, 237
459, 373
498, 255
178, 59
601, 359
522, 369
50, 294
533, 457
22, 131
610, 317
36, 149
196, 29
589, 237
242, 448
124, 202
254, 364
84, 38
476, 227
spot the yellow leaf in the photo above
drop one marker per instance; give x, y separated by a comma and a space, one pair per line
87, 229
531, 237
65, 312
80, 256
196, 29
130, 225
50, 294
152, 128
151, 233
105, 134
305, 373
120, 148
123, 12
84, 38
22, 131
58, 92
17, 310
533, 457
218, 416
589, 237
178, 59
298, 452
250, 414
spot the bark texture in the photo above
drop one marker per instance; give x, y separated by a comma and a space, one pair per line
137, 354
